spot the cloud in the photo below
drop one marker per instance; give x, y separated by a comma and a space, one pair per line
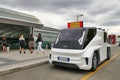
56, 13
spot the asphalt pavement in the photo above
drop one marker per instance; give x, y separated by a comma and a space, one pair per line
110, 71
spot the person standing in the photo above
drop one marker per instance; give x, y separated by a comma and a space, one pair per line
31, 43
4, 44
22, 43
39, 41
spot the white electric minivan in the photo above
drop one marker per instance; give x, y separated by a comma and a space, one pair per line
82, 48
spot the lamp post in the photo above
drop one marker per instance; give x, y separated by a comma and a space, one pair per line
79, 16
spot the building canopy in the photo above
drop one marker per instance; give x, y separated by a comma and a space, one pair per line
17, 18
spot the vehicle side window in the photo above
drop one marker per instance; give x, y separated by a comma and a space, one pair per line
91, 33
105, 37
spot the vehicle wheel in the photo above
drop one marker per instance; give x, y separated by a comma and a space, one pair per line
94, 62
108, 53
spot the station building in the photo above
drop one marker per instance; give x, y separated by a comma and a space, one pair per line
13, 23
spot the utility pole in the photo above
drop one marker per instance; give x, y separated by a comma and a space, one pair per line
79, 16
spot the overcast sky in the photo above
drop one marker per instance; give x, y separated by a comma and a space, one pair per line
57, 13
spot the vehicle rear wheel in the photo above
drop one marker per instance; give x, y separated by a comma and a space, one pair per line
94, 62
108, 53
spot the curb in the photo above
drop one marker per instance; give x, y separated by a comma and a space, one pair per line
12, 70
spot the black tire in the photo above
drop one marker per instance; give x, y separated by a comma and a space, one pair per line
94, 62
108, 53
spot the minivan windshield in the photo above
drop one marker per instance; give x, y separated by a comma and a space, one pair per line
70, 34
69, 39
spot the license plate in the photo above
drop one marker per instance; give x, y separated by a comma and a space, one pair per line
63, 59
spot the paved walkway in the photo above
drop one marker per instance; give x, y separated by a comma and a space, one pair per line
14, 60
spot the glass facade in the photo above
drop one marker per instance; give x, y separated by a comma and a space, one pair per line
12, 33
48, 36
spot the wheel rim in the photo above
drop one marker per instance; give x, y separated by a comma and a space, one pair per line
94, 61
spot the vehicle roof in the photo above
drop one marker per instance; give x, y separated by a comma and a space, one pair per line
85, 28
80, 28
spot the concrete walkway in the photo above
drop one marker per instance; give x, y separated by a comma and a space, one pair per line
14, 61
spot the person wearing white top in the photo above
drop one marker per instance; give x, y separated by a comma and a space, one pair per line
39, 41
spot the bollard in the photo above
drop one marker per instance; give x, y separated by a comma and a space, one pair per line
8, 49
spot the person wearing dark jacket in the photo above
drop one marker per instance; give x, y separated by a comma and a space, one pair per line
31, 43
39, 41
4, 44
22, 43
